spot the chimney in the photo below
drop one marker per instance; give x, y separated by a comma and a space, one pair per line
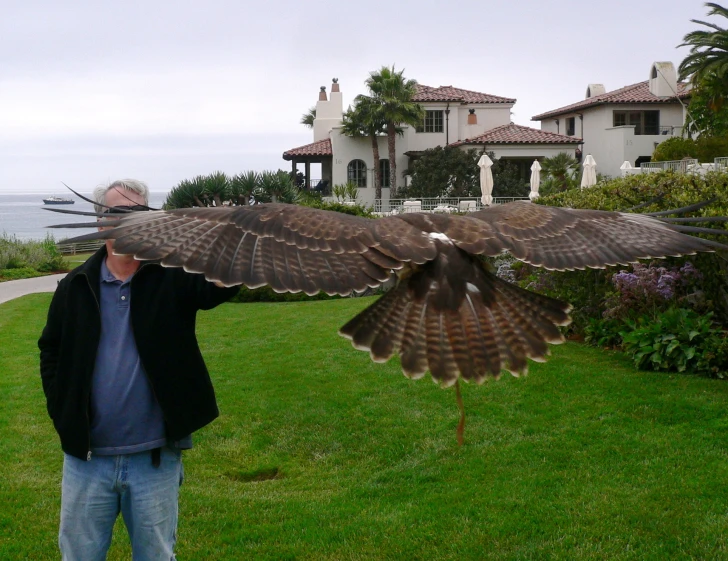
594, 90
663, 79
472, 117
329, 112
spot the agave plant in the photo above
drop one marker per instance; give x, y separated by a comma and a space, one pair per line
276, 187
243, 186
345, 191
186, 194
217, 188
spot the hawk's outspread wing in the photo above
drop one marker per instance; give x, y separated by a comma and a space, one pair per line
447, 313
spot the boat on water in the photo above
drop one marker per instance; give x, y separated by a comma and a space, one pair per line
58, 201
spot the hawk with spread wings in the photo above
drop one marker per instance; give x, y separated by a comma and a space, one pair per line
447, 314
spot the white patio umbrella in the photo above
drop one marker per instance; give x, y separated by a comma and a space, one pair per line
589, 177
486, 179
535, 179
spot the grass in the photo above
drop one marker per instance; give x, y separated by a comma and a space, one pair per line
77, 258
321, 454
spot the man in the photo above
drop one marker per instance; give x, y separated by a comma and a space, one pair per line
125, 386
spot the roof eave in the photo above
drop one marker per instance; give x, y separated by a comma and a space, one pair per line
559, 112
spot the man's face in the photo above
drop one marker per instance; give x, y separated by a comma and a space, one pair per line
121, 197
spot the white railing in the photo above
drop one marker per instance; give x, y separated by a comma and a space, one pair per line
439, 204
720, 163
675, 165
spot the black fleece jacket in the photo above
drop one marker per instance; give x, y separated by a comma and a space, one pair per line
164, 305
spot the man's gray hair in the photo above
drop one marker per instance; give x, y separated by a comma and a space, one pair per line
133, 185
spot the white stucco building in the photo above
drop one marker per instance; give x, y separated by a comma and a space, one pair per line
625, 124
453, 116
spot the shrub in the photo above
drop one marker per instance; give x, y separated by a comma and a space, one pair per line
603, 332
588, 291
711, 147
676, 340
355, 210
675, 148
705, 148
584, 290
19, 273
41, 256
649, 288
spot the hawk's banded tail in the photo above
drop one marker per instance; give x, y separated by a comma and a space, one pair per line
475, 327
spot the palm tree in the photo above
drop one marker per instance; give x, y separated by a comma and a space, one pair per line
561, 168
707, 63
394, 93
308, 118
366, 119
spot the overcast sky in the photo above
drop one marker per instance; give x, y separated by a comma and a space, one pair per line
165, 90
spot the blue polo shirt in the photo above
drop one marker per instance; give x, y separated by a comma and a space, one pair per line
125, 415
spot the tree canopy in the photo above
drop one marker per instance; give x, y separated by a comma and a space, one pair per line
394, 93
453, 172
706, 66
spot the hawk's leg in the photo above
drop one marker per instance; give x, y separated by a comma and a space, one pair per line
461, 424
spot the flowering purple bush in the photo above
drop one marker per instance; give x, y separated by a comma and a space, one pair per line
649, 289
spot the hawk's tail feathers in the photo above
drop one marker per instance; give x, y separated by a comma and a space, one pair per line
496, 326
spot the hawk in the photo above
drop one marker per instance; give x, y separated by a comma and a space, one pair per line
447, 313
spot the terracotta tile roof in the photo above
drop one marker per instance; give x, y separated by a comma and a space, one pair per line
320, 148
636, 93
448, 93
518, 134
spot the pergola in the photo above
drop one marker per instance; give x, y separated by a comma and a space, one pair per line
315, 153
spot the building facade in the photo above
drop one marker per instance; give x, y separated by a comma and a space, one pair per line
625, 124
453, 116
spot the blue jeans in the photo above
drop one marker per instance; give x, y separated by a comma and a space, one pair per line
94, 492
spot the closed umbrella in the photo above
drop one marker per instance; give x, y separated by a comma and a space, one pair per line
589, 176
486, 179
535, 179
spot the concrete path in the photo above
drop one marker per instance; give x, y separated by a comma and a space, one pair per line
15, 289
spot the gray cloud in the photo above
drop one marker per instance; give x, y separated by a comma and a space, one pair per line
167, 88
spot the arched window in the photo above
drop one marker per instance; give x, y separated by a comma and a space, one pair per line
384, 172
356, 173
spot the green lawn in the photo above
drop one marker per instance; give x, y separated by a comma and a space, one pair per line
321, 454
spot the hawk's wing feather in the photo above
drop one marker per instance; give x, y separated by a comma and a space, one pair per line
291, 248
567, 239
446, 314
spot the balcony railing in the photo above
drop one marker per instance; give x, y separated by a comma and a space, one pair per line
318, 186
654, 130
445, 205
675, 165
720, 163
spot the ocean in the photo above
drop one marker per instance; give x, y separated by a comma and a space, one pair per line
24, 217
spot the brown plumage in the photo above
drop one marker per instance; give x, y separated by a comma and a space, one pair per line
447, 314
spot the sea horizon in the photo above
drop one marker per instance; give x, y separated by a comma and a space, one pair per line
23, 216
